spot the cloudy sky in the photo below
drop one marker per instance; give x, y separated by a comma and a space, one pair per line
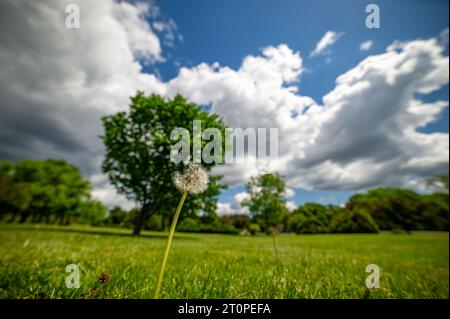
355, 107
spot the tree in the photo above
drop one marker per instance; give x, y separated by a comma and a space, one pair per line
254, 229
137, 158
239, 221
43, 189
310, 218
353, 221
393, 208
266, 202
116, 217
434, 211
189, 225
92, 212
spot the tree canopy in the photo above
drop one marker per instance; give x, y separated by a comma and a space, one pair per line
137, 160
393, 208
266, 203
310, 218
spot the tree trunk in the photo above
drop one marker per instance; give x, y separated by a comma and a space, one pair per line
266, 224
163, 222
140, 220
13, 217
23, 218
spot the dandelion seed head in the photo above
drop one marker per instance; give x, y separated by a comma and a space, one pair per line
193, 180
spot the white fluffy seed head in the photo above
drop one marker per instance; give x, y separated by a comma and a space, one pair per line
193, 180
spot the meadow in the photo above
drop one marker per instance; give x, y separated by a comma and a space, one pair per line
33, 260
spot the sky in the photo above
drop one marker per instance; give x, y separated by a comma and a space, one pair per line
356, 107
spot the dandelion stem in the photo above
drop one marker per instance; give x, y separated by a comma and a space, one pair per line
168, 244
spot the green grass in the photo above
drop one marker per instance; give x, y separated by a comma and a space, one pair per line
33, 260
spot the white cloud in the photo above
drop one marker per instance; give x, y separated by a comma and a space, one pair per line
234, 207
371, 137
289, 192
239, 197
328, 39
290, 205
169, 30
224, 209
366, 45
141, 38
105, 192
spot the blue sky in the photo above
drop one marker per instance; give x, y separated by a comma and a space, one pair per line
227, 31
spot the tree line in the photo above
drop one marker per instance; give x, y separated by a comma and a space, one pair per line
46, 191
54, 192
137, 162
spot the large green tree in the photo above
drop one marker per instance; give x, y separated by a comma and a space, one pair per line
353, 221
137, 160
266, 203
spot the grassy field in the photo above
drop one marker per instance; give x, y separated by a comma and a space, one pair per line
33, 260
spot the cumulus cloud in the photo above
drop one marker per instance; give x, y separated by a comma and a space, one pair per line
235, 206
290, 205
169, 30
225, 209
239, 197
366, 45
364, 134
328, 39
56, 83
289, 192
142, 40
371, 136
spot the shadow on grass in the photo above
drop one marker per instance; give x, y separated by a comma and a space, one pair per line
99, 231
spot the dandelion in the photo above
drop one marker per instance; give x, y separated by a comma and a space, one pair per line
194, 180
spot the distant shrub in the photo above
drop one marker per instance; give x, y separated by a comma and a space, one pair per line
218, 227
353, 221
154, 223
237, 220
189, 225
300, 224
227, 229
398, 231
310, 218
196, 225
254, 229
